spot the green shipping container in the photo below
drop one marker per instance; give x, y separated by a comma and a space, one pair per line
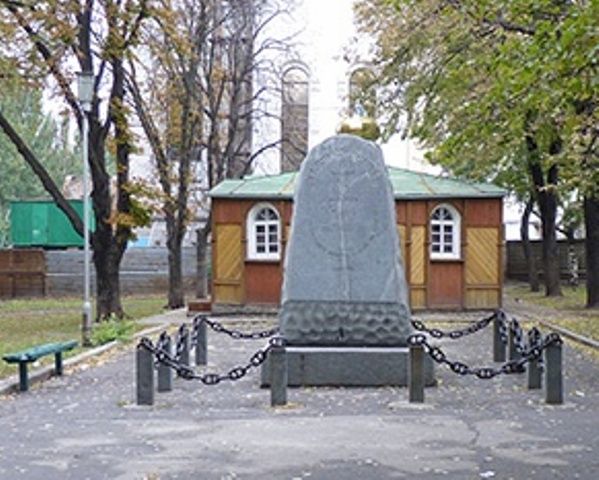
40, 223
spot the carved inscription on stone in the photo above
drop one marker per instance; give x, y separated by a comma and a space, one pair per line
344, 250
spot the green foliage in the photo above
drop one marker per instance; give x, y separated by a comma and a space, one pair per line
472, 79
46, 136
113, 329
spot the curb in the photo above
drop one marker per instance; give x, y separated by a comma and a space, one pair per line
571, 335
11, 384
589, 342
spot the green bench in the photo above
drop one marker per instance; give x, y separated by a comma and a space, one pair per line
32, 354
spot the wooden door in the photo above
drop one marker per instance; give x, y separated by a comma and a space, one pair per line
445, 284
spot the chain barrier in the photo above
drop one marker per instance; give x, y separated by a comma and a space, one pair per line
164, 357
182, 335
535, 340
518, 334
512, 366
161, 345
458, 333
236, 334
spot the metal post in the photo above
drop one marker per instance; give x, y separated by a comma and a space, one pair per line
23, 378
184, 338
278, 376
58, 363
513, 353
554, 388
416, 374
145, 376
498, 345
87, 314
201, 347
534, 374
165, 373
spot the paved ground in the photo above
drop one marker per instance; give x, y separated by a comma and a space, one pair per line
86, 426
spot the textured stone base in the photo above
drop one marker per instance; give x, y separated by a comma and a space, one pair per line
345, 323
348, 367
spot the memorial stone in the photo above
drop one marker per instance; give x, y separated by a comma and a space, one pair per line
344, 283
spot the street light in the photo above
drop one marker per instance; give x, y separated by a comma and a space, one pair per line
85, 84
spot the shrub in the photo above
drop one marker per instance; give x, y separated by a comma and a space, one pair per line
112, 329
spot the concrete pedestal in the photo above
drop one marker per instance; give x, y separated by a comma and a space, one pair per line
348, 367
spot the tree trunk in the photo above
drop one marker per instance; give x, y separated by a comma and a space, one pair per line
202, 290
107, 262
531, 262
591, 223
546, 196
548, 207
176, 293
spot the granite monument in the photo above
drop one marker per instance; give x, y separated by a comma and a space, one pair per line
344, 282
344, 306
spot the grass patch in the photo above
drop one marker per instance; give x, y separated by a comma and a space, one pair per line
573, 298
586, 326
566, 311
25, 323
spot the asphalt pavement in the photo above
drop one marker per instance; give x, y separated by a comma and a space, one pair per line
86, 425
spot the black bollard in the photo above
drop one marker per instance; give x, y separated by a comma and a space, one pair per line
511, 342
278, 376
498, 342
201, 344
165, 373
534, 374
416, 374
145, 376
534, 365
554, 388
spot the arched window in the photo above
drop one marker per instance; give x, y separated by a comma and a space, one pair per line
445, 233
294, 118
264, 233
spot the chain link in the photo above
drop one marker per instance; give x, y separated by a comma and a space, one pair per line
182, 335
518, 335
535, 340
455, 334
236, 334
184, 371
533, 352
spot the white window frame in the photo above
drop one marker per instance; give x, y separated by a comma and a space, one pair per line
256, 228
443, 227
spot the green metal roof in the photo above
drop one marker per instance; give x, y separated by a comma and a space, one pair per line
406, 185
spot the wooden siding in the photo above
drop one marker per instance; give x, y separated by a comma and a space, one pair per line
417, 255
401, 231
483, 213
483, 288
22, 273
445, 284
263, 282
229, 254
474, 281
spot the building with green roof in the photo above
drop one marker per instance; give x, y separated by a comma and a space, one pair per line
450, 231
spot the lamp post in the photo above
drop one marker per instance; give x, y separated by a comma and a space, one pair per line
85, 84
